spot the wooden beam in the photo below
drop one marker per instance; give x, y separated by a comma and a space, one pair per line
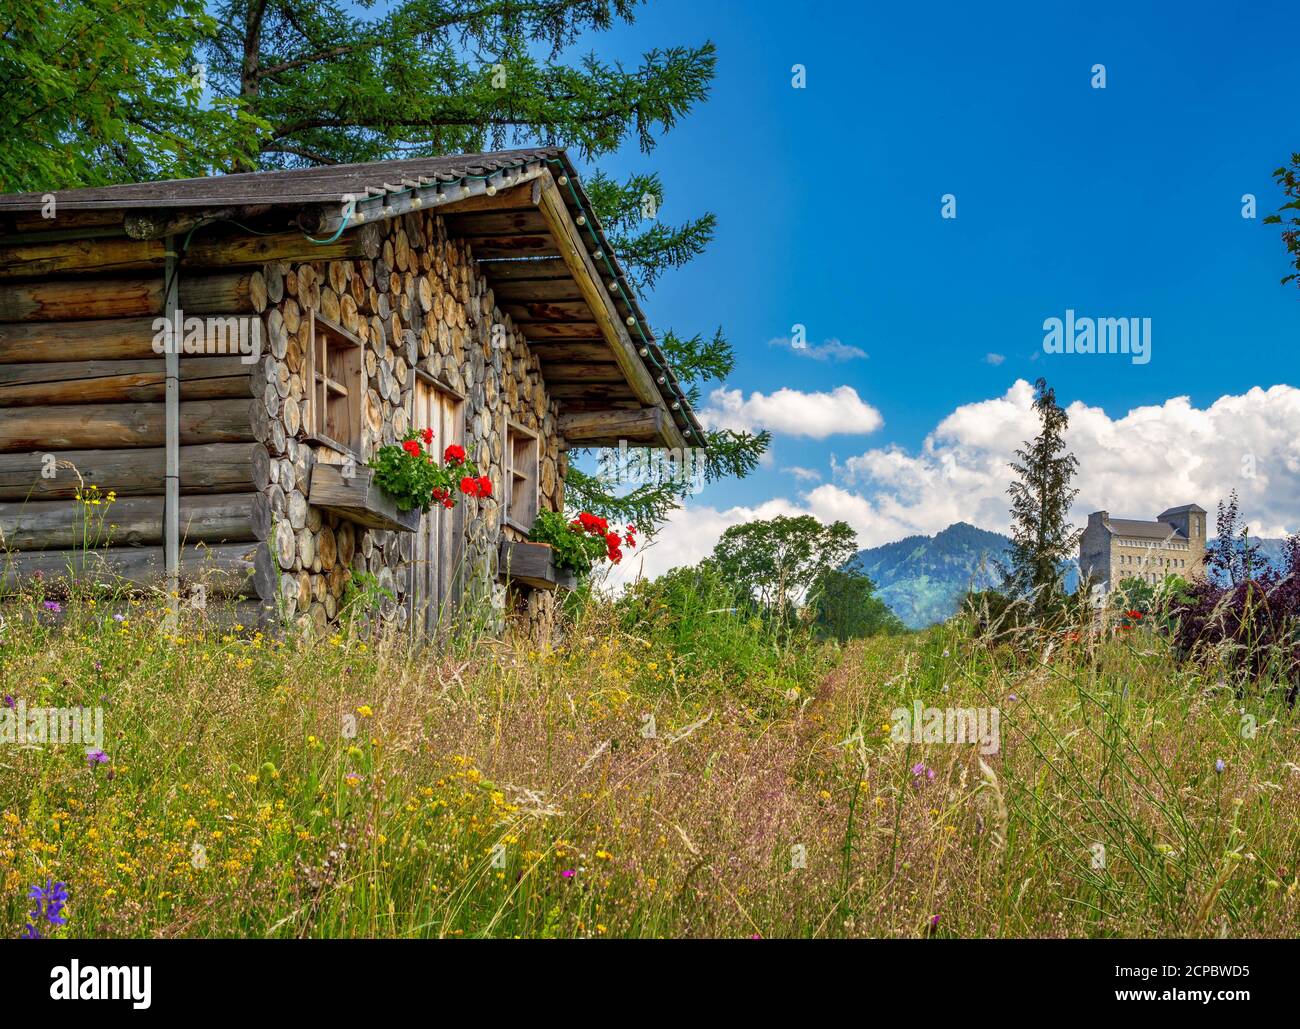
108, 339
226, 569
596, 351
531, 290
549, 311
79, 299
133, 521
208, 468
496, 223
513, 246
581, 372
535, 270
96, 382
593, 391
574, 252
520, 196
563, 330
72, 426
607, 427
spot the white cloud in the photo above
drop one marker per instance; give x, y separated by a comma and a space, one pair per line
995, 359
791, 411
1134, 466
826, 350
804, 474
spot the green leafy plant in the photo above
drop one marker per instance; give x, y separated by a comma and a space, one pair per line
414, 479
578, 544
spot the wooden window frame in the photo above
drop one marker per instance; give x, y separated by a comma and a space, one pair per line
352, 386
508, 509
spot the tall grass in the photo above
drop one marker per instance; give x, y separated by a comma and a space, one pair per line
658, 772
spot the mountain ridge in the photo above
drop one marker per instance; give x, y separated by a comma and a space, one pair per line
923, 578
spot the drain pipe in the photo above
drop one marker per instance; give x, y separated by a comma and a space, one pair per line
172, 497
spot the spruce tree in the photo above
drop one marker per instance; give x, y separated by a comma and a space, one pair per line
1042, 537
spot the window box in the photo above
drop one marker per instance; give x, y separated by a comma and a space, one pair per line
358, 499
531, 564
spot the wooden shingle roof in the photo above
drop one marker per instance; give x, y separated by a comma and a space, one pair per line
547, 258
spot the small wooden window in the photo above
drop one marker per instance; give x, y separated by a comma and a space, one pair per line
336, 381
520, 488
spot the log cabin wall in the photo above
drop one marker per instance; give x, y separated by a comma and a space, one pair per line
81, 405
82, 415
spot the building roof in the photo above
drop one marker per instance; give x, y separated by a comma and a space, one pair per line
1185, 509
522, 258
1144, 530
332, 183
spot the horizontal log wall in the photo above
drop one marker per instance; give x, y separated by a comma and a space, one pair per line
82, 418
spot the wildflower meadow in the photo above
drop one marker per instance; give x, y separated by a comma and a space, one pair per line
670, 767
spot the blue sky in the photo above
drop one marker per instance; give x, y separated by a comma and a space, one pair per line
1123, 201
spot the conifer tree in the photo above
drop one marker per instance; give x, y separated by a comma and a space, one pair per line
1042, 537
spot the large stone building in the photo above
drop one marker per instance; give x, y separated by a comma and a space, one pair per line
1114, 549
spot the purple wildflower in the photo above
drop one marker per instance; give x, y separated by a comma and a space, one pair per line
567, 873
96, 757
47, 905
1219, 766
53, 605
920, 771
9, 700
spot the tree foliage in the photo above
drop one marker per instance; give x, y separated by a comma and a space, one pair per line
845, 606
780, 560
101, 91
1042, 537
1288, 177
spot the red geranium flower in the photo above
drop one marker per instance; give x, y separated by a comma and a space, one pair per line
411, 447
484, 486
427, 436
454, 454
469, 486
593, 524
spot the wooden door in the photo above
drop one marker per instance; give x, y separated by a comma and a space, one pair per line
438, 559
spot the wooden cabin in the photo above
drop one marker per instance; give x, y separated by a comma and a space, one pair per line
318, 314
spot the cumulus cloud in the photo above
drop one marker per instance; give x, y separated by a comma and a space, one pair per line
804, 474
792, 412
827, 350
1133, 466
